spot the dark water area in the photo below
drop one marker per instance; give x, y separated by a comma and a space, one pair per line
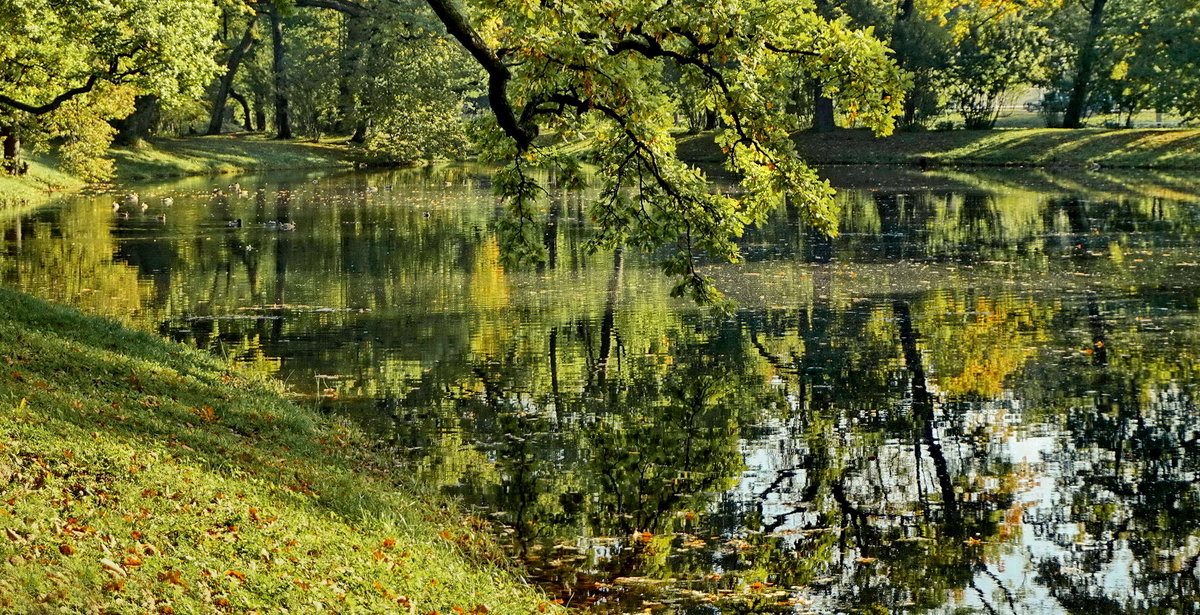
980, 398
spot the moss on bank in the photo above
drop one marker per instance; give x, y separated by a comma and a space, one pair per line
1149, 148
138, 476
225, 154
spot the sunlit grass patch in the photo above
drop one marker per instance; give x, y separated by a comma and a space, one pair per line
1137, 148
36, 186
219, 155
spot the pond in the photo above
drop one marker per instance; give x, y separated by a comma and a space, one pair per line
980, 398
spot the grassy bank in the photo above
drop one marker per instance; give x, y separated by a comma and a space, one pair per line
1147, 148
40, 184
225, 154
141, 476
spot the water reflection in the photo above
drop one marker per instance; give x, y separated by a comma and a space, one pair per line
979, 398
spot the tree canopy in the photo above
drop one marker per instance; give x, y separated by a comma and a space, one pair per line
599, 66
65, 67
518, 82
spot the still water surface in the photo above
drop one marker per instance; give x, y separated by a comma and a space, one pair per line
980, 398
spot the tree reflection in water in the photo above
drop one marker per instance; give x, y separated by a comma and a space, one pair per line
980, 397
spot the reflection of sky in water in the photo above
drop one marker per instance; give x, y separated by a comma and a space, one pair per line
1056, 323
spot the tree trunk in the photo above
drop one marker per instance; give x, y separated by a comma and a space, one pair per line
822, 105
822, 110
899, 44
12, 152
282, 119
139, 123
245, 109
360, 133
260, 116
1076, 105
351, 65
225, 85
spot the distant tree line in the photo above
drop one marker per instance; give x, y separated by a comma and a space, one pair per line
1086, 56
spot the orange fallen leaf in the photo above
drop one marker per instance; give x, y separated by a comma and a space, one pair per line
174, 577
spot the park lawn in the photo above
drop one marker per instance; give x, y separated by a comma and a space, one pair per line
143, 476
1045, 147
226, 154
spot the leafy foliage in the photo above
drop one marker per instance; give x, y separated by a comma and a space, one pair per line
600, 67
65, 67
996, 50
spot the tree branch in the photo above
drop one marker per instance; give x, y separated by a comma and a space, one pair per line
62, 98
498, 72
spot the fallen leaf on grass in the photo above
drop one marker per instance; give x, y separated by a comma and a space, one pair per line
112, 568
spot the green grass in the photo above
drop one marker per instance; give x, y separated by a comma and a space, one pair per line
1140, 148
225, 154
35, 187
141, 476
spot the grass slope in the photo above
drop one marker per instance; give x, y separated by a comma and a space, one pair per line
218, 155
35, 187
141, 476
1146, 148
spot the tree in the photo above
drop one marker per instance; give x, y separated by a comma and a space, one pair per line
996, 48
233, 61
1151, 54
65, 67
1085, 65
598, 66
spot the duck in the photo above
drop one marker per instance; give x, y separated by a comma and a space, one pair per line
168, 201
145, 207
161, 217
116, 206
287, 226
131, 198
123, 215
234, 223
372, 189
271, 224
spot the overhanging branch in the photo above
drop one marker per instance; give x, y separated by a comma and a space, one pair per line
92, 81
55, 103
498, 73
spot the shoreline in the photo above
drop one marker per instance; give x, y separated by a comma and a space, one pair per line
1045, 148
1028, 148
144, 472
